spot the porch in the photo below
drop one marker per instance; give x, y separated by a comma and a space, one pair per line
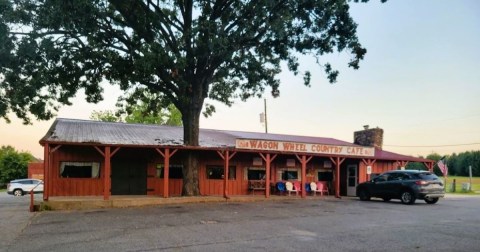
98, 202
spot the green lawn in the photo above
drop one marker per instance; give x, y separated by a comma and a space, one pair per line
460, 180
3, 190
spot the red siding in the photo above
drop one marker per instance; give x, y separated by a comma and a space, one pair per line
35, 170
75, 186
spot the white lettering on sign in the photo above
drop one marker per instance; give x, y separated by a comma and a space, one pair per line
254, 144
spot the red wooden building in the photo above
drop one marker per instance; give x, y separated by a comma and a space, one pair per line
91, 158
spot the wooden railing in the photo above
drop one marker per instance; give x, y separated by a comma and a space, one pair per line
32, 206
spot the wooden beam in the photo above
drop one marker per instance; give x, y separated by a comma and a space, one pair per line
99, 150
114, 151
55, 148
226, 159
107, 180
46, 171
304, 160
166, 168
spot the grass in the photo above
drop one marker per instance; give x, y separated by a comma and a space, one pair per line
459, 180
3, 190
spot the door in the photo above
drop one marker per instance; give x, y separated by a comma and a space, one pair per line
352, 180
129, 178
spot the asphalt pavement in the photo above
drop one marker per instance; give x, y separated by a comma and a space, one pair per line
347, 224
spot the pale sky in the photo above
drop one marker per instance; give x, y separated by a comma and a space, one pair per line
420, 82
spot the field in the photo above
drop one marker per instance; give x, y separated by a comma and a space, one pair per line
460, 180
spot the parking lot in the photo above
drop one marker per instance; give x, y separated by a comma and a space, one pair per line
317, 224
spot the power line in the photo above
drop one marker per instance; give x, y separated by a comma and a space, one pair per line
430, 146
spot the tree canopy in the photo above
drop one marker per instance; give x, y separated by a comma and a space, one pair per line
184, 50
141, 107
13, 164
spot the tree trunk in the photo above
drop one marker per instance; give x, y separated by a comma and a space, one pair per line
191, 125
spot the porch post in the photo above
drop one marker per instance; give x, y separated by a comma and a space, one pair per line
225, 175
267, 175
166, 173
46, 165
337, 161
303, 160
268, 161
337, 179
166, 168
369, 162
106, 177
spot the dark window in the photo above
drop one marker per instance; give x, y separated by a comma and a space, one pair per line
174, 171
325, 176
256, 174
216, 172
79, 170
382, 178
427, 176
289, 175
26, 182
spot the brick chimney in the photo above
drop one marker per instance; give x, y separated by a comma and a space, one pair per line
369, 137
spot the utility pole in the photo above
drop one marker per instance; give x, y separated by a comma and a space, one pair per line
265, 111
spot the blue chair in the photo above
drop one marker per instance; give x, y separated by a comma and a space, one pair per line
281, 187
308, 188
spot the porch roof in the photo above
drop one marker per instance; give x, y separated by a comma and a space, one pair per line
126, 134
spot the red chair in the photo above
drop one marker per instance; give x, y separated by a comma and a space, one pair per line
297, 186
322, 187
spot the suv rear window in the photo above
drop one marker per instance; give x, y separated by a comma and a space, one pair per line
427, 176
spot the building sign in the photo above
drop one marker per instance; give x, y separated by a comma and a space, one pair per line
254, 144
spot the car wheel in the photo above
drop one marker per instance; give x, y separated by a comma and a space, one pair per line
431, 200
17, 192
407, 198
386, 199
364, 195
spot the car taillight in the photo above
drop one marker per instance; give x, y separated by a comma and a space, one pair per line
421, 182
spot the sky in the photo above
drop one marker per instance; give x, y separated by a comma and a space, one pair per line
419, 82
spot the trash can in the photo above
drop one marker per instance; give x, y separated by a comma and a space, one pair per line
465, 187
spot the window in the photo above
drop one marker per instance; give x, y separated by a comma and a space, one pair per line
174, 171
325, 176
397, 176
255, 174
79, 170
216, 172
290, 175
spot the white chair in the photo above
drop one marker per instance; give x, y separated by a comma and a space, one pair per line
290, 189
313, 188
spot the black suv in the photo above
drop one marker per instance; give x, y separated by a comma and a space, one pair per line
406, 185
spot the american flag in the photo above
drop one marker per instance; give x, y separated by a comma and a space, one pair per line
443, 166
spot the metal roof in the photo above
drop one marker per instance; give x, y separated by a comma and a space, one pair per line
127, 134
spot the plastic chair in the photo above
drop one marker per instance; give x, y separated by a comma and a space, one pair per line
322, 187
308, 189
297, 186
281, 187
290, 189
313, 188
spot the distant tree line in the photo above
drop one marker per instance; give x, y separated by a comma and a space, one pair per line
13, 164
457, 163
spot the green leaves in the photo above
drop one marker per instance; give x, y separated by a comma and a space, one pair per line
13, 164
52, 49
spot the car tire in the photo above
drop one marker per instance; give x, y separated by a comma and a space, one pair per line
407, 198
386, 199
431, 200
364, 195
17, 192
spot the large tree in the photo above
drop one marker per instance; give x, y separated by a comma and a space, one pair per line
185, 50
141, 107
